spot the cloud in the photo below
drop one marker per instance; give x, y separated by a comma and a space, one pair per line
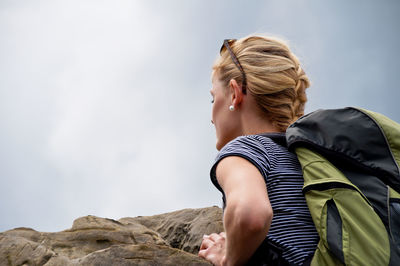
104, 106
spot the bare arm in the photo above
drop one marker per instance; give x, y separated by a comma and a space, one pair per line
248, 213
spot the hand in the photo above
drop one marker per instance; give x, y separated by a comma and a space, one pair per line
213, 248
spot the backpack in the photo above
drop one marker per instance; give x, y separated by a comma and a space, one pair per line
350, 160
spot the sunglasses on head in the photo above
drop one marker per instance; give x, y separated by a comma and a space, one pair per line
227, 46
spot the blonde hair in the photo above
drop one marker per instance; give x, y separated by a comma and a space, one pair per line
274, 77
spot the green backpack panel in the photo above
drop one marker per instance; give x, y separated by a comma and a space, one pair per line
350, 159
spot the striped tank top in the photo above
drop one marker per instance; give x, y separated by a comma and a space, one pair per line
292, 227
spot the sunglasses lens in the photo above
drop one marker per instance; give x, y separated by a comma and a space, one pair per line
227, 42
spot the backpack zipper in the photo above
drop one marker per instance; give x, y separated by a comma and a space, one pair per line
395, 162
388, 210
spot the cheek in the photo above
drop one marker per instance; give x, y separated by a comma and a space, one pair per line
216, 112
213, 114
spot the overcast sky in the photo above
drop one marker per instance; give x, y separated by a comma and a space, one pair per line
105, 106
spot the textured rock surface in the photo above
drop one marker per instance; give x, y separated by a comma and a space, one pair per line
166, 239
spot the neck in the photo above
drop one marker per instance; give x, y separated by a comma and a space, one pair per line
253, 121
253, 124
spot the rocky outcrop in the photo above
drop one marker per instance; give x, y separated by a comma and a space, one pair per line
166, 239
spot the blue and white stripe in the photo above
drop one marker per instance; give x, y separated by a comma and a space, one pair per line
292, 227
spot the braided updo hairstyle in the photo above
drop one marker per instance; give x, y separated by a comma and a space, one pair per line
274, 77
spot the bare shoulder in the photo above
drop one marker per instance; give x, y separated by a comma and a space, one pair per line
237, 173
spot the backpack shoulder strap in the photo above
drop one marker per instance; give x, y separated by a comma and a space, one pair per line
278, 138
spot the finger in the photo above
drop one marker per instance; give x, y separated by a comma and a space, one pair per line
214, 237
206, 243
222, 234
210, 256
202, 253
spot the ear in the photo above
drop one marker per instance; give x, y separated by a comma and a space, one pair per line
236, 93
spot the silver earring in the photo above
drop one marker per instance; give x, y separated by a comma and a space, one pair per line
231, 108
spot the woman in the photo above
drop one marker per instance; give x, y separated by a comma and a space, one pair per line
258, 91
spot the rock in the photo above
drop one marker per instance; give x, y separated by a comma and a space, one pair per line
16, 250
166, 239
143, 254
182, 229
